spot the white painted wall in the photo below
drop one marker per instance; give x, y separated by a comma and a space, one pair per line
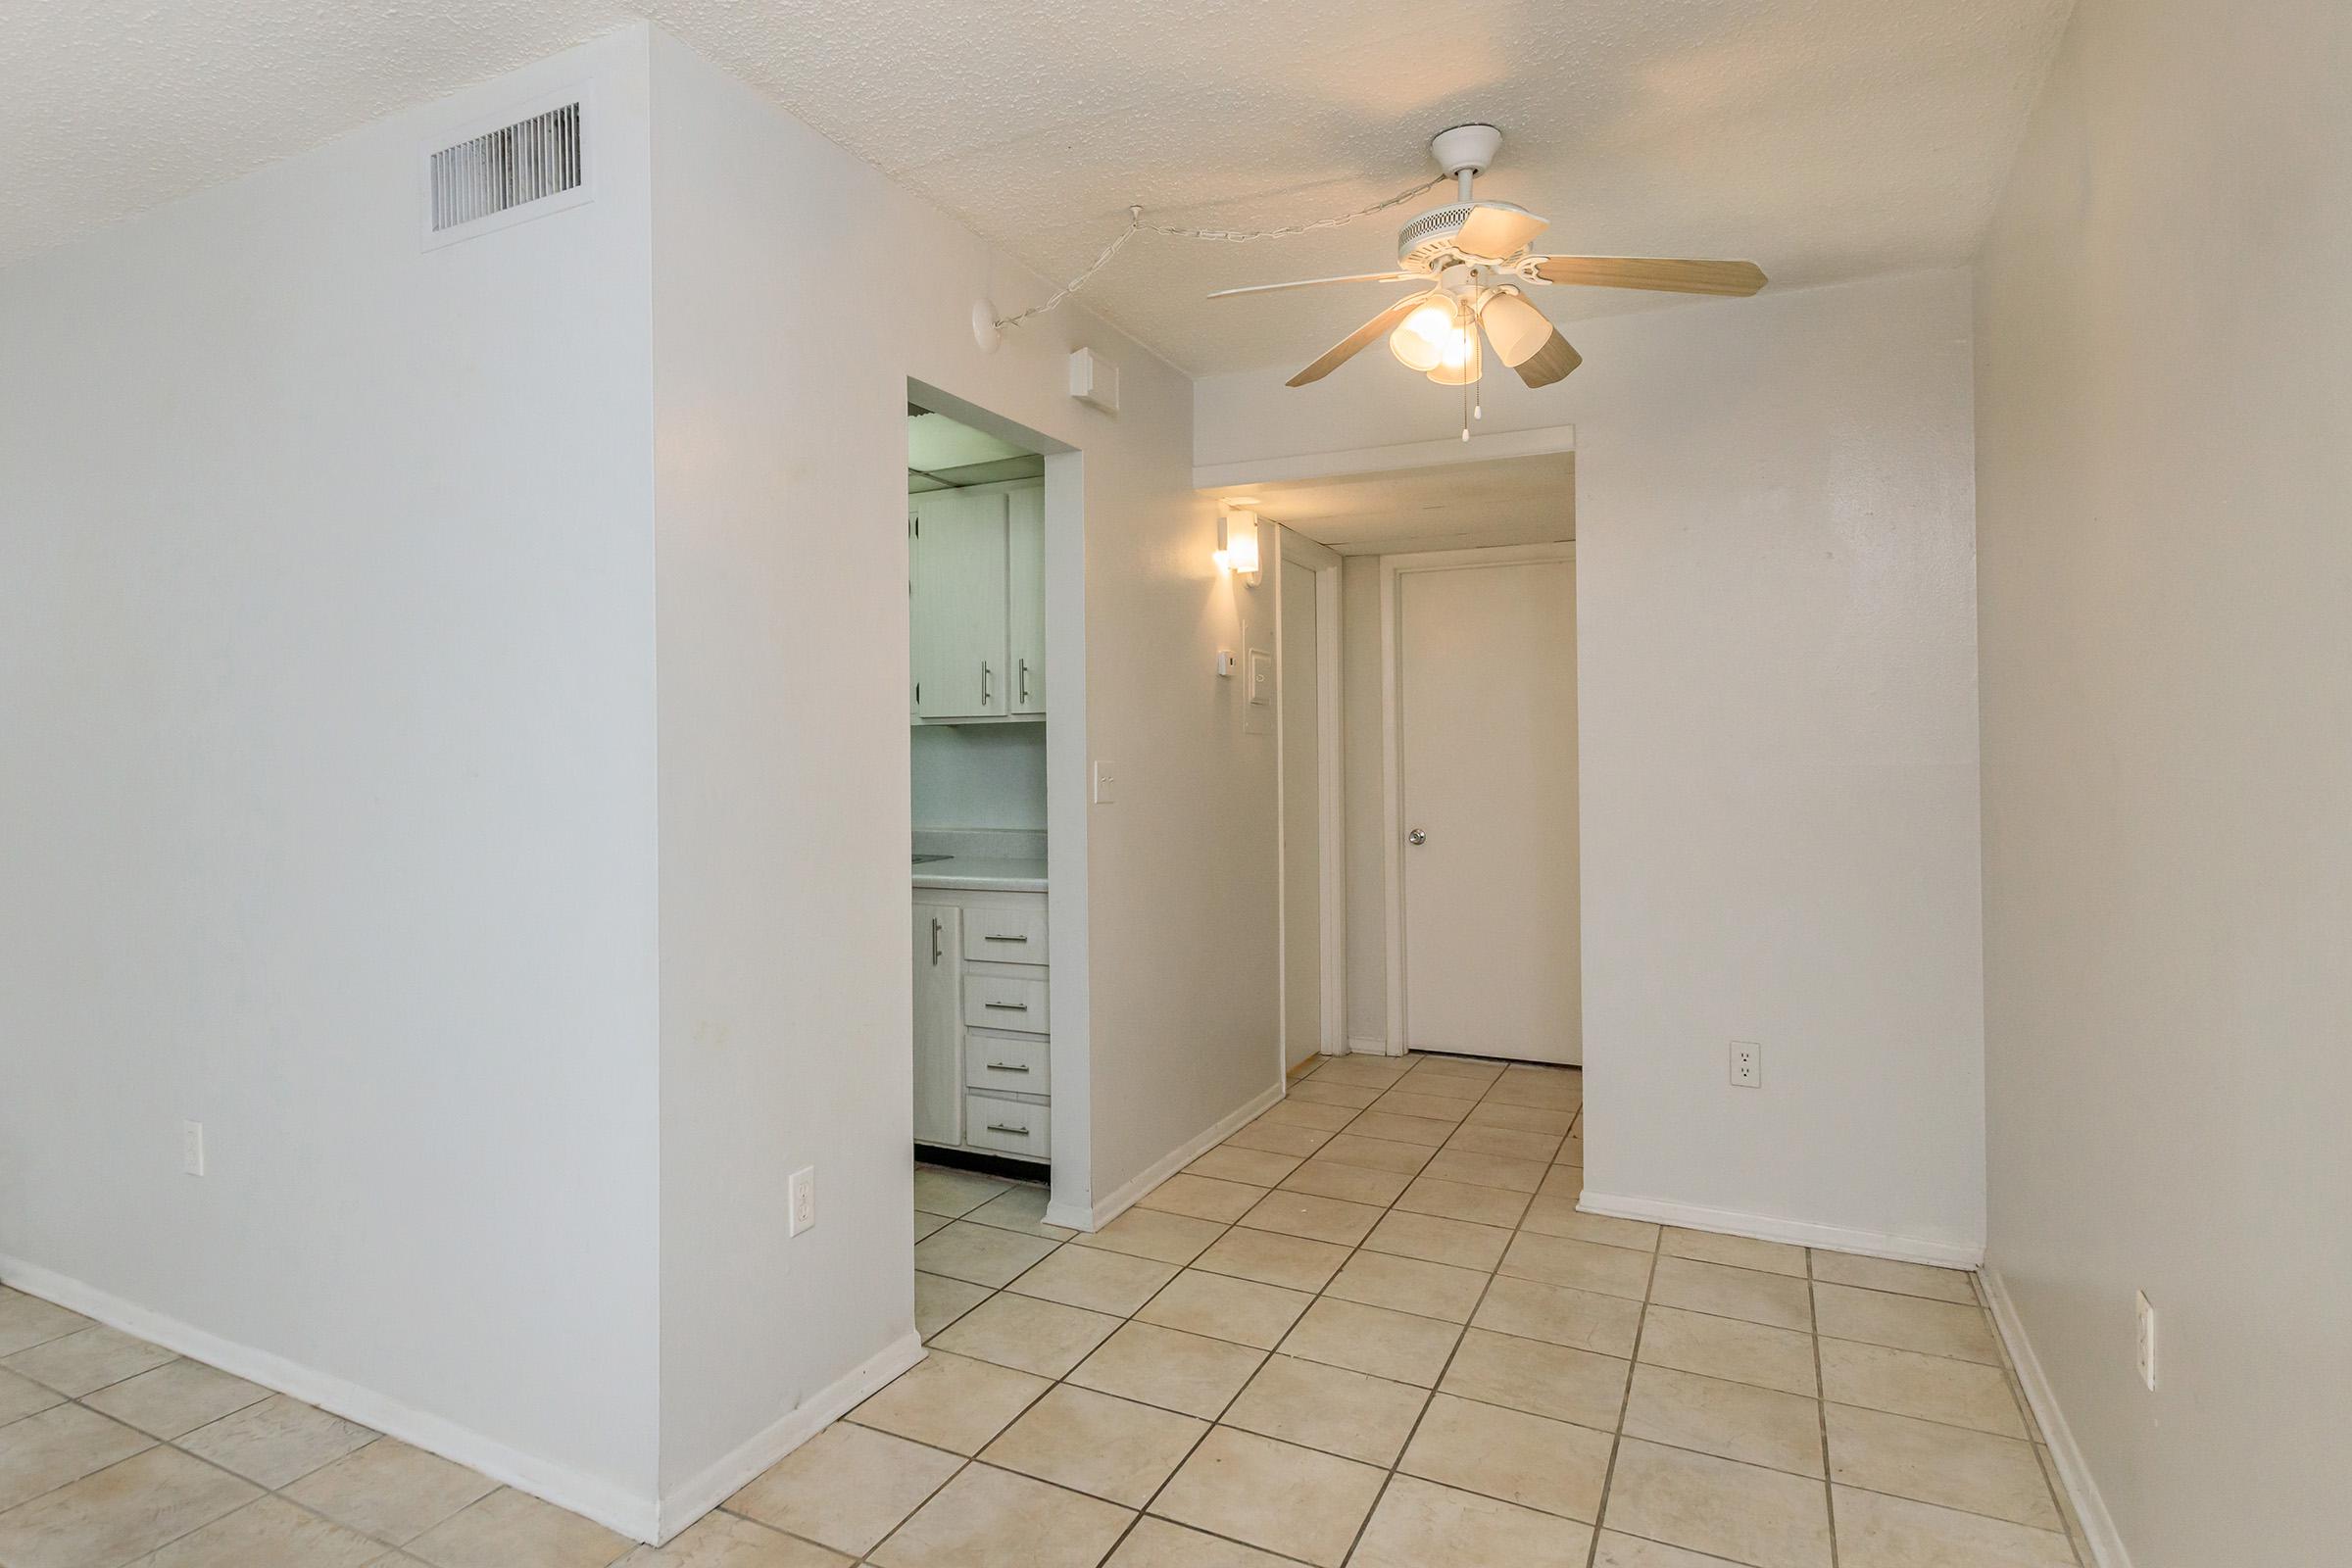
979, 775
2164, 463
327, 804
1778, 738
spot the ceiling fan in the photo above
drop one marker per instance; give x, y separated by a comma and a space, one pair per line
1473, 256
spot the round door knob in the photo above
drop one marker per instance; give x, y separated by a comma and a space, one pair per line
1416, 836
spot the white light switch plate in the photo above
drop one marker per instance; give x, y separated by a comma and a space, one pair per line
191, 1148
2145, 1316
1105, 784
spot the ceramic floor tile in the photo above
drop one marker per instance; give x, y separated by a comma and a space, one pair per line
176, 1398
1736, 1252
1352, 1414
1565, 1094
1561, 1314
926, 1223
1454, 1164
87, 1359
1098, 1280
722, 1540
1434, 1239
277, 1441
1934, 1387
1358, 1184
391, 1490
1742, 1292
1731, 1420
1376, 1154
1378, 1072
1632, 1551
1226, 1308
27, 1321
1024, 1209
848, 1487
1296, 1142
1163, 1237
990, 1518
979, 1255
1728, 1347
951, 1401
1027, 1333
1097, 1444
1292, 1261
940, 1300
1879, 1532
1483, 1206
1949, 1466
1318, 1091
1306, 1114
1418, 1523
1157, 1544
1402, 1102
1558, 1216
1719, 1506
20, 1396
1297, 1501
1318, 1219
41, 1452
1905, 1323
1410, 1285
510, 1529
268, 1533
1583, 1265
1521, 1118
1554, 1380
954, 1193
1169, 1368
1258, 1167
1563, 1181
1401, 1347
1207, 1197
1428, 1132
1531, 1460
1900, 1279
129, 1509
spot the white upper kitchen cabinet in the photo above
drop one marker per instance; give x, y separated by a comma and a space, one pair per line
960, 588
1026, 534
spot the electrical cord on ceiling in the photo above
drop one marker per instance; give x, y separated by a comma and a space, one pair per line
1236, 236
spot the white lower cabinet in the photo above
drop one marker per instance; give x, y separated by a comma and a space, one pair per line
982, 1040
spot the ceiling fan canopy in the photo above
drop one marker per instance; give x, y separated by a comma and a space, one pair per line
1472, 260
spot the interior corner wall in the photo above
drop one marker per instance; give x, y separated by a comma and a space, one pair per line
780, 435
2164, 481
1777, 741
327, 802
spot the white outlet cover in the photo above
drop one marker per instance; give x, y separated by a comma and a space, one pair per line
1746, 1064
803, 1200
2144, 1318
191, 1148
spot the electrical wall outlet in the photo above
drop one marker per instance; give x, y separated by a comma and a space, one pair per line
2146, 1318
191, 1148
803, 1199
1747, 1064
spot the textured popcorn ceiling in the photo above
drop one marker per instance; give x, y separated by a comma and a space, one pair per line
1825, 139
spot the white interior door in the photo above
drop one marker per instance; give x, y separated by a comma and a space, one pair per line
1485, 750
1302, 818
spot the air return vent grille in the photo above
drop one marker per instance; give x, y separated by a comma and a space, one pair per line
535, 164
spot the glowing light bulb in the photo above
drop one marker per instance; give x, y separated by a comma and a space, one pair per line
1420, 341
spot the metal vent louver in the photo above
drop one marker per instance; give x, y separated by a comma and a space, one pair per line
500, 171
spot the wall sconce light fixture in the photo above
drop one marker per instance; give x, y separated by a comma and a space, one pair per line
1236, 544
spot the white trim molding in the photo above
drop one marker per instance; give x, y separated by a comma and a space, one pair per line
2074, 1473
1357, 1047
1795, 1232
1074, 1217
1396, 459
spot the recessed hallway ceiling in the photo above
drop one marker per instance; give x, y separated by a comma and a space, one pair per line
1827, 139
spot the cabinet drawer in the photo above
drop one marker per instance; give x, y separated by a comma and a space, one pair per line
1014, 1063
995, 1001
1005, 935
1009, 1126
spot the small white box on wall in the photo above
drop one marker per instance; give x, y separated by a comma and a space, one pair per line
1094, 380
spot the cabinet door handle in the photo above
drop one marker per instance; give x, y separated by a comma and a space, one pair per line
984, 674
1005, 1066
1000, 1127
935, 941
1007, 1006
1024, 680
1004, 939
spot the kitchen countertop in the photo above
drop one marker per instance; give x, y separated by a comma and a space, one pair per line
975, 873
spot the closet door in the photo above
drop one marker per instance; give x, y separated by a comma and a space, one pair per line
960, 670
1027, 532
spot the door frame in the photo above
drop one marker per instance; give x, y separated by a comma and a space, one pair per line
1392, 766
1296, 552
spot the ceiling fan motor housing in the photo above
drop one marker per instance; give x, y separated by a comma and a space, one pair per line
1424, 240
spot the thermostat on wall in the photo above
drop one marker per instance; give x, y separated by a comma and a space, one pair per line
1094, 380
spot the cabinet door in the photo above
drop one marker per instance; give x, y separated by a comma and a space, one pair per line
938, 1024
960, 605
1027, 534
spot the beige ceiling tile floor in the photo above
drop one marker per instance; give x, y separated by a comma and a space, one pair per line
1467, 1372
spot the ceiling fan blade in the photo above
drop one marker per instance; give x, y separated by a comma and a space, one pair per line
1497, 231
1310, 282
1671, 276
1550, 362
1355, 342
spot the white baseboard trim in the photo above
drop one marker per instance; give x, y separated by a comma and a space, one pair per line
682, 1505
2098, 1525
634, 1515
1368, 1047
1796, 1231
1121, 1201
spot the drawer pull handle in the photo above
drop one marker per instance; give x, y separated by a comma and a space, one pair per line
1000, 1127
1007, 1006
1004, 939
1005, 1066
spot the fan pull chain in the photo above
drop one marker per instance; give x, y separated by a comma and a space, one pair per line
1236, 236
